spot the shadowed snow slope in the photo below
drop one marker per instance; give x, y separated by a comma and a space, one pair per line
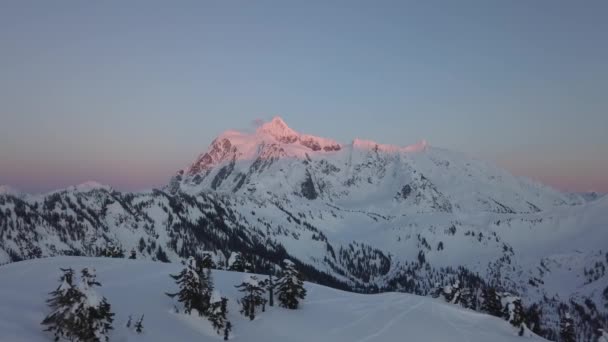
136, 287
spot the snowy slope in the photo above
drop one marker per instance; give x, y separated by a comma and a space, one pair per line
137, 287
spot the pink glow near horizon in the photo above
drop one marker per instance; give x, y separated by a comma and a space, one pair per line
147, 172
134, 176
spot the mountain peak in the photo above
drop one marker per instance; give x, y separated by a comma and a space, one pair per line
8, 190
278, 129
89, 186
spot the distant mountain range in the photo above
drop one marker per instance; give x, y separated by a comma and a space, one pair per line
361, 216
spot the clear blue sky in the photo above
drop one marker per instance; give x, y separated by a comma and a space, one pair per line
126, 93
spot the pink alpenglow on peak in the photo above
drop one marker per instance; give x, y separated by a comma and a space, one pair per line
278, 129
7, 189
276, 140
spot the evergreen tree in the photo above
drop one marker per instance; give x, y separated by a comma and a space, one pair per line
217, 311
467, 299
238, 263
139, 325
437, 290
133, 255
206, 288
111, 251
566, 329
533, 318
514, 311
451, 293
190, 292
161, 255
491, 302
253, 295
61, 320
227, 330
93, 316
207, 260
270, 285
290, 286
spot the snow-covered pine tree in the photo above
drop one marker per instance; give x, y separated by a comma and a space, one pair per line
93, 316
437, 290
206, 289
467, 298
532, 319
139, 325
218, 309
269, 284
111, 251
133, 255
254, 295
207, 260
451, 293
227, 330
513, 310
290, 286
238, 263
566, 328
491, 302
190, 292
61, 320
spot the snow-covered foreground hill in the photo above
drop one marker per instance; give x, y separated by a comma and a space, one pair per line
135, 287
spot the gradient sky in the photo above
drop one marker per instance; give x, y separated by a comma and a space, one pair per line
126, 93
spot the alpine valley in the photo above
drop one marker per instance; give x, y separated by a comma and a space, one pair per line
362, 217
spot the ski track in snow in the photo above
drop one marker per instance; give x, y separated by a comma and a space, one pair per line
391, 322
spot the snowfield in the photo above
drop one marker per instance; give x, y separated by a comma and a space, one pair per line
135, 287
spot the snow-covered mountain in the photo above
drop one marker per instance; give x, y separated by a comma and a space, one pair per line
135, 288
277, 161
361, 216
591, 196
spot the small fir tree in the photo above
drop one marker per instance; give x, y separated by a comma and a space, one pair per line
514, 311
133, 255
533, 318
491, 302
238, 263
111, 251
566, 328
253, 295
467, 298
61, 320
207, 260
218, 310
227, 330
270, 285
451, 293
93, 314
290, 286
190, 292
139, 325
437, 291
